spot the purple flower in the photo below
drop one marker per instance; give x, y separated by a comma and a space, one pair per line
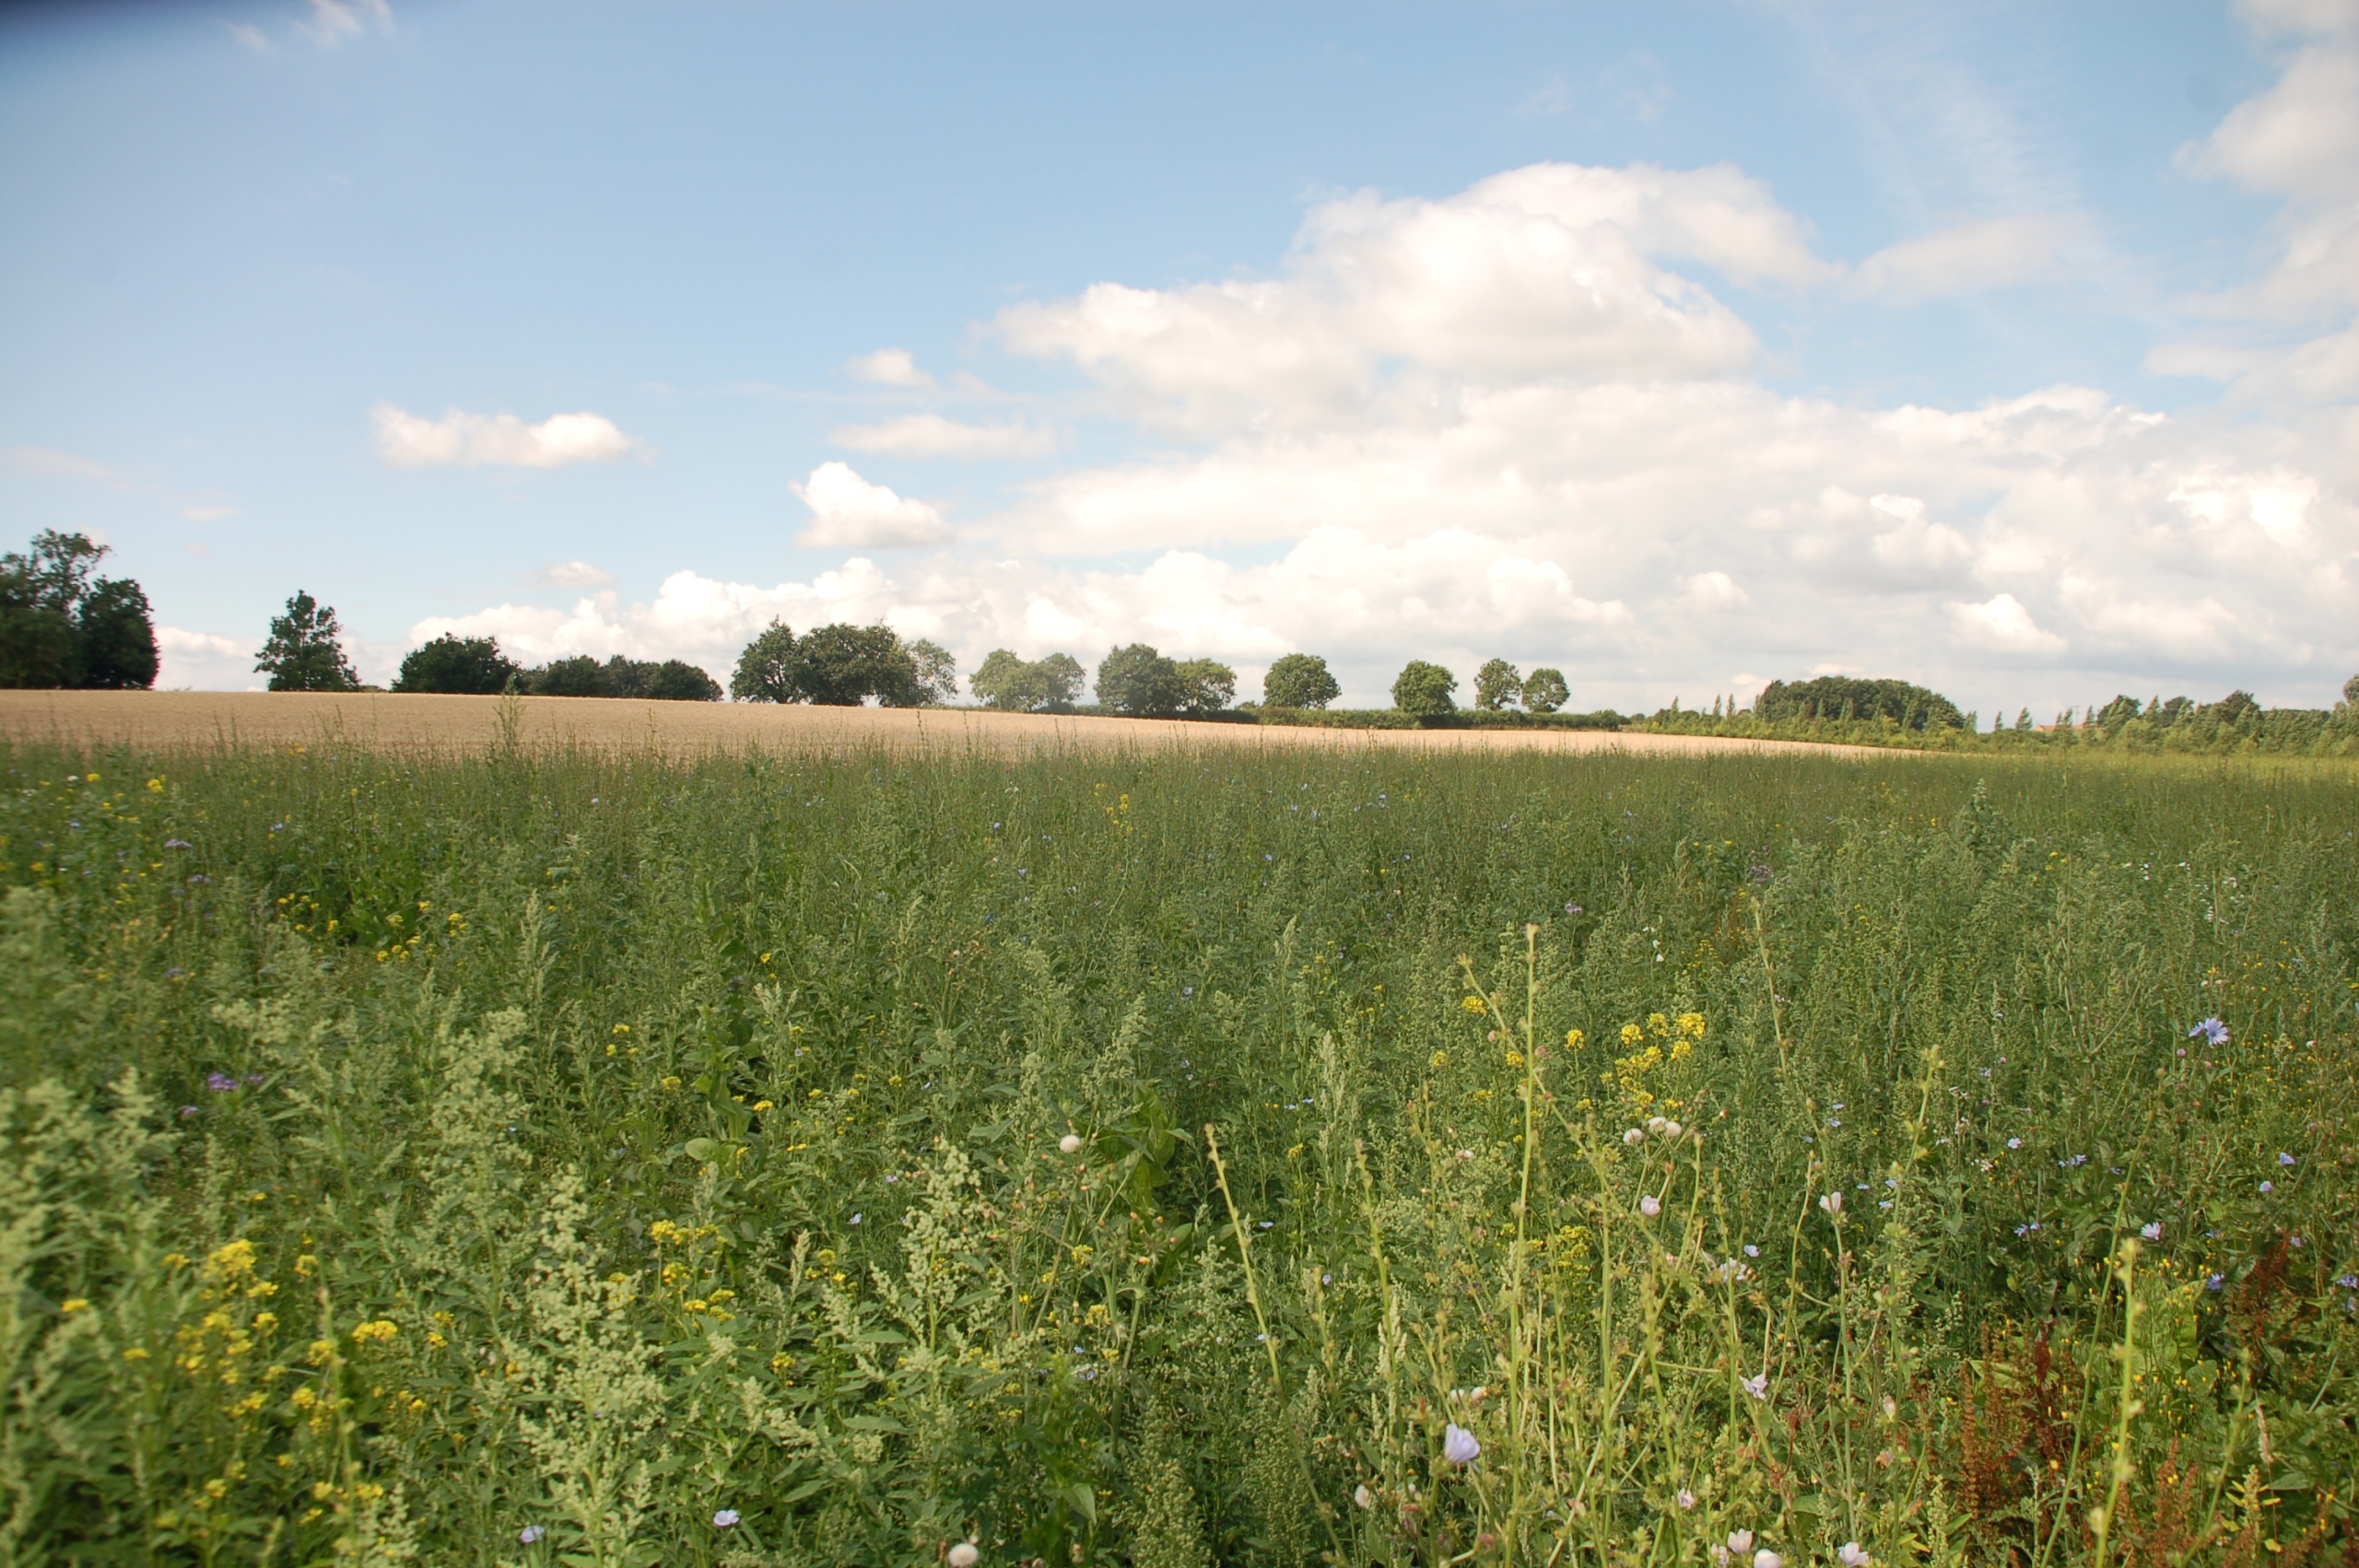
530, 1534
177, 844
255, 1080
725, 1519
2285, 1159
1572, 909
2212, 1030
2214, 1281
188, 1110
1458, 1445
2268, 1186
220, 1083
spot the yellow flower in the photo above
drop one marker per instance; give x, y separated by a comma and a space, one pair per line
1573, 1038
1472, 1003
762, 1106
381, 1331
71, 1305
1632, 1034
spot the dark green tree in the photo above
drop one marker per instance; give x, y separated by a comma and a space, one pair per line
305, 651
581, 676
1544, 690
843, 665
676, 680
1135, 679
1424, 688
1844, 697
466, 666
1206, 685
59, 626
1299, 680
767, 670
1498, 683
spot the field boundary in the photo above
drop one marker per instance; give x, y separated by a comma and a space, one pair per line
441, 725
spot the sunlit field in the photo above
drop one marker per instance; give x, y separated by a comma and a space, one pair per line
1237, 1155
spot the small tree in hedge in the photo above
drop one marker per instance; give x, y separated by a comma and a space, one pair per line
1496, 684
1424, 688
1043, 685
1206, 685
1299, 680
1544, 690
305, 651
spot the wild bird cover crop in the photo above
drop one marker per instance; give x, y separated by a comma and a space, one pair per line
1175, 1158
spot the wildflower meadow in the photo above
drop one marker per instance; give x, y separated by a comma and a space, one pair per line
1197, 1157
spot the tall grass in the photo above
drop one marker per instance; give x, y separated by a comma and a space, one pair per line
1346, 1157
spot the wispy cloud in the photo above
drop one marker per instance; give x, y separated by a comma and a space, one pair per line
49, 460
460, 440
332, 21
574, 574
930, 435
890, 367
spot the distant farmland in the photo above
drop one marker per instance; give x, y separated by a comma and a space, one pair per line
378, 720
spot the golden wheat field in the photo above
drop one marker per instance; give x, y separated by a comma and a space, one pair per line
384, 720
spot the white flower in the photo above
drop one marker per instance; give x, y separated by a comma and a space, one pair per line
1740, 1540
2152, 1232
1720, 1555
1854, 1554
1765, 1558
1655, 1125
1759, 1387
724, 1519
1649, 1205
1069, 1143
1634, 1137
1464, 1155
1672, 1130
530, 1534
1362, 1498
1687, 1499
1832, 1203
965, 1555
1458, 1445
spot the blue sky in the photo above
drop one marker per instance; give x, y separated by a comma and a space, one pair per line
2008, 347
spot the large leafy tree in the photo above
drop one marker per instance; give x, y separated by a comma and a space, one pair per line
843, 665
937, 671
1299, 680
1135, 679
1206, 685
467, 666
305, 649
1544, 690
767, 669
61, 627
1498, 683
1422, 687
1015, 686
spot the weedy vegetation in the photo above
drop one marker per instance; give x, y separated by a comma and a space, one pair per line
1337, 1157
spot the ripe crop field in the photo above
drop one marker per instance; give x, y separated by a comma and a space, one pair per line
1207, 1154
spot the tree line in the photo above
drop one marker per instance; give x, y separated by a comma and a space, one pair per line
64, 627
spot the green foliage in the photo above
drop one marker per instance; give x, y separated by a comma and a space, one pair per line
471, 666
1014, 686
305, 649
1206, 685
769, 668
843, 665
1423, 689
61, 627
1844, 697
935, 677
1544, 690
398, 1155
1299, 680
1497, 684
674, 680
1137, 680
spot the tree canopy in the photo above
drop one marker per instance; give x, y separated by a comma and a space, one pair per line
673, 680
305, 649
1422, 687
1843, 697
1299, 680
61, 627
843, 665
1498, 683
1544, 690
1135, 679
1016, 686
467, 666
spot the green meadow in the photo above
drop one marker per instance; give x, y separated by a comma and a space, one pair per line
1178, 1158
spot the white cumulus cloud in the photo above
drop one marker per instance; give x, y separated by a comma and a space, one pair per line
2001, 624
849, 512
891, 368
1997, 252
575, 574
474, 441
203, 661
